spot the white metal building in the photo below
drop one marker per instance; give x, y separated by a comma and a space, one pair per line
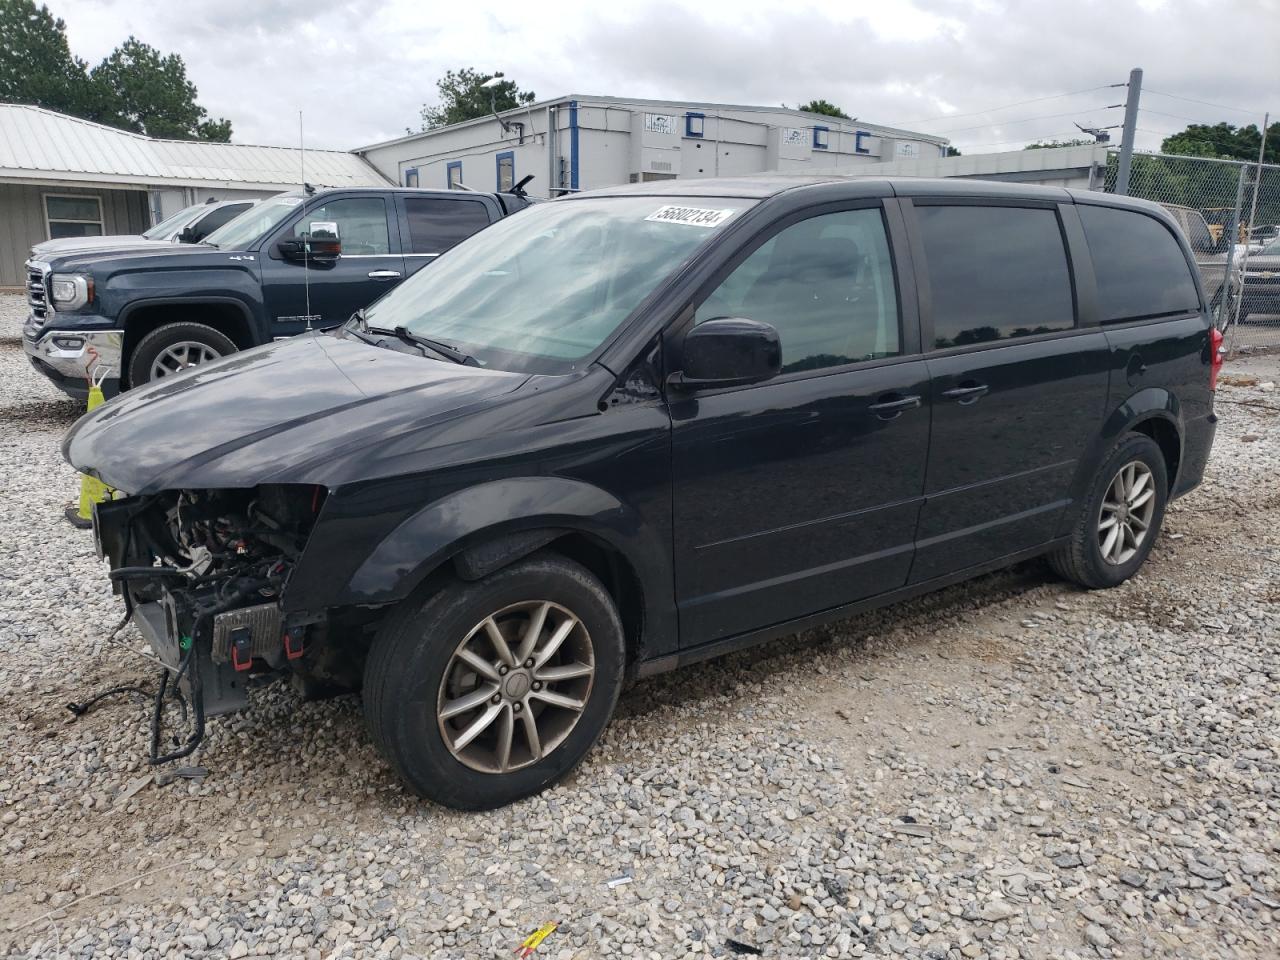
581, 142
1081, 167
61, 176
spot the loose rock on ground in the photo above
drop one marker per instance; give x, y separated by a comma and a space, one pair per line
1009, 768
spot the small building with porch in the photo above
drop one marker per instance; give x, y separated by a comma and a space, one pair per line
61, 176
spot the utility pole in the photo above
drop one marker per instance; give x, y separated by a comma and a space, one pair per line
1130, 130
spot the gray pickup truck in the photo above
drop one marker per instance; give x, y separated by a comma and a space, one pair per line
295, 262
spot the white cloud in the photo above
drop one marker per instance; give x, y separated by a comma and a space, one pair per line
361, 72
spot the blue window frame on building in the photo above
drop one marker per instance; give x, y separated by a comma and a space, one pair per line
506, 170
820, 137
694, 124
453, 174
857, 142
411, 177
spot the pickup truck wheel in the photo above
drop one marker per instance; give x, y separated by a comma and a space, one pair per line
1120, 519
175, 347
482, 693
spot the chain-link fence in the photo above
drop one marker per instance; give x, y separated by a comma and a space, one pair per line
1230, 212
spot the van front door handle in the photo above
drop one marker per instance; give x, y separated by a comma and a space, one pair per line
384, 274
966, 394
887, 409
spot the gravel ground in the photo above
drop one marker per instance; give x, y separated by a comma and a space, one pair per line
1008, 768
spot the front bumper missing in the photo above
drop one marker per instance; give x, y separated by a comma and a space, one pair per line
222, 689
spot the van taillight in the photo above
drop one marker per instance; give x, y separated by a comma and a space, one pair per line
1216, 351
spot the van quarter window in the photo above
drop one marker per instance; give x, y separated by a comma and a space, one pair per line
1141, 269
995, 273
826, 284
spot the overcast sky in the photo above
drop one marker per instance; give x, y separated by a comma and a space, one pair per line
361, 71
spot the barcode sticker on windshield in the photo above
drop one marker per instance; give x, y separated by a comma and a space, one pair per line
690, 216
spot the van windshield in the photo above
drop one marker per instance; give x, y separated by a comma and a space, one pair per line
542, 289
261, 218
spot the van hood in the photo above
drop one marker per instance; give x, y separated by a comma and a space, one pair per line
303, 410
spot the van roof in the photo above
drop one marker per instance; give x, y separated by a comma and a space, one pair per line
763, 186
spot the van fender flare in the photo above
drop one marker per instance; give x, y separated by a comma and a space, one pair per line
1146, 404
515, 517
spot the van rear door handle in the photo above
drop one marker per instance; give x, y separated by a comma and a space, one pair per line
384, 274
966, 394
888, 409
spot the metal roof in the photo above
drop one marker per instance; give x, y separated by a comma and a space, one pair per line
38, 144
876, 129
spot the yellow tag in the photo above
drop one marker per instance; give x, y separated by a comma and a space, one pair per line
534, 940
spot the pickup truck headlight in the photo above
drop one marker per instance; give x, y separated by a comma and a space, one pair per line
70, 291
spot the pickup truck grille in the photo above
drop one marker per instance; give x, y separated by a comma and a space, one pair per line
38, 290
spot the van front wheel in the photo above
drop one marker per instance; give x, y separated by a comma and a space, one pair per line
481, 693
1120, 519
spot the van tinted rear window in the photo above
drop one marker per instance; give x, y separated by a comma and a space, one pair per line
1140, 267
995, 273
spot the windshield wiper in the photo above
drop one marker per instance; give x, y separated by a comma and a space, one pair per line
435, 346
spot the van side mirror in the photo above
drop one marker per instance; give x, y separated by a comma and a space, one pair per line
728, 352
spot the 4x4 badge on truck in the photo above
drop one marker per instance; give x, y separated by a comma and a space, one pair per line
237, 256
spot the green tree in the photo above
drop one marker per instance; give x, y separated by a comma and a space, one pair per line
1050, 144
150, 93
1224, 141
136, 88
36, 64
824, 107
463, 98
953, 151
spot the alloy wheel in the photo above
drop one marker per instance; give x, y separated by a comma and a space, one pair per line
180, 356
515, 686
1124, 521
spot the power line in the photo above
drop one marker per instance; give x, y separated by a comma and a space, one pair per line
1175, 116
1020, 103
1220, 106
1047, 116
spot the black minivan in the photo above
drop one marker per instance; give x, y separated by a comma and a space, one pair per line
643, 426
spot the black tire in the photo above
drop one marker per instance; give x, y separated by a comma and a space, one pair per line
405, 676
1081, 559
163, 337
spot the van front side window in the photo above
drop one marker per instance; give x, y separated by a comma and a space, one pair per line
826, 285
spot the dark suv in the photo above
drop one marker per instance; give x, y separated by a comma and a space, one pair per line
132, 315
637, 428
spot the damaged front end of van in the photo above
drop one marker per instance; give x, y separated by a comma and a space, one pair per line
202, 573
223, 477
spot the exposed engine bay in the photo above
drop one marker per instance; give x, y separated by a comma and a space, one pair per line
201, 573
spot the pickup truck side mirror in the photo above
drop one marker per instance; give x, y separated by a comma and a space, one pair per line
728, 352
313, 249
189, 235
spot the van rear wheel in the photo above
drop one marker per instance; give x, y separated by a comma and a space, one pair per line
175, 347
1120, 519
482, 693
